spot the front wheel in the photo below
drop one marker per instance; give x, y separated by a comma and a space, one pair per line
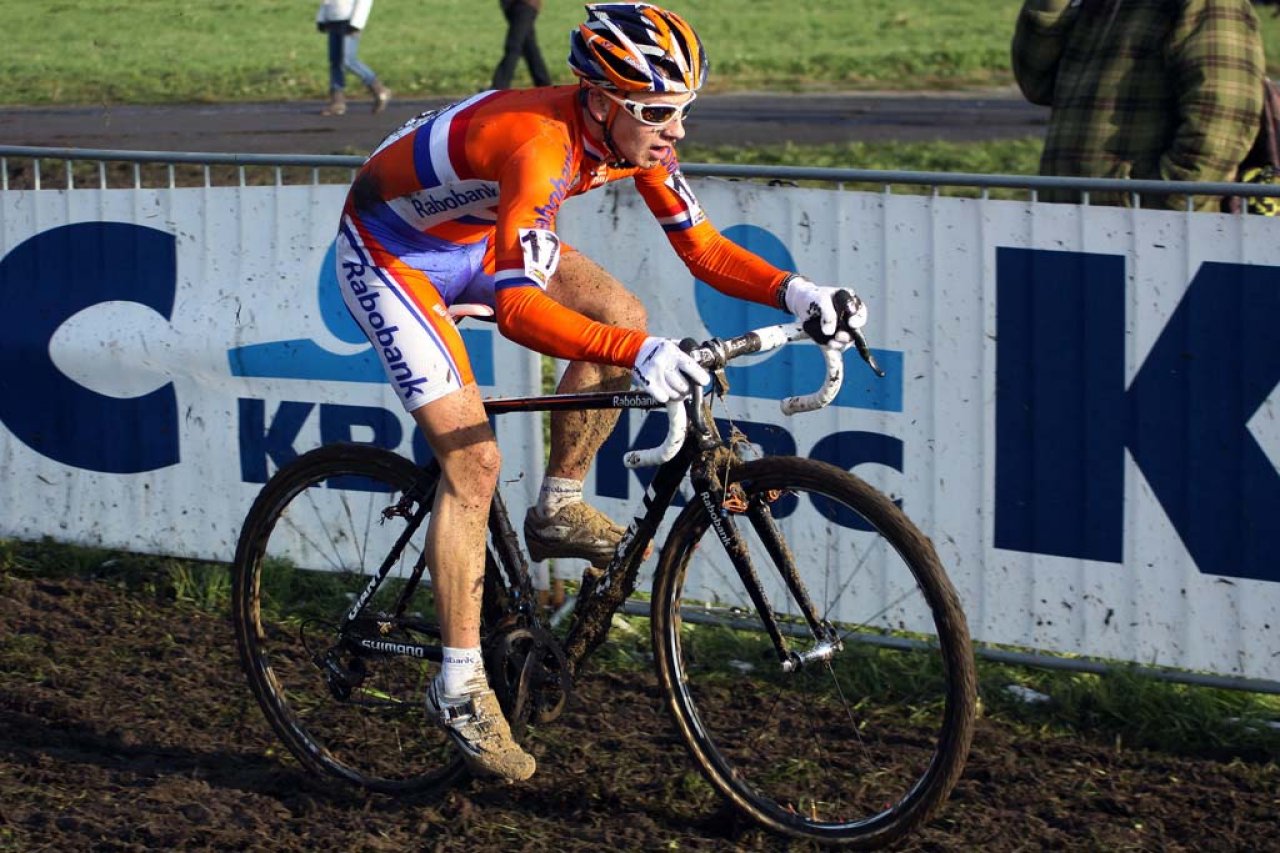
850, 727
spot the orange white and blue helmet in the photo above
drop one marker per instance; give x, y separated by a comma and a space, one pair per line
637, 47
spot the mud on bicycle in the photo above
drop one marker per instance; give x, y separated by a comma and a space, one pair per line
788, 593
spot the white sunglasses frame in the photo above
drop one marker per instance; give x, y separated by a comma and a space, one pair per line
634, 108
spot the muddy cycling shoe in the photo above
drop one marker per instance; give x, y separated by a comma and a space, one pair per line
476, 726
577, 530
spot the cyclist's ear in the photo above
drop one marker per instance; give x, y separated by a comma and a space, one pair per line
593, 101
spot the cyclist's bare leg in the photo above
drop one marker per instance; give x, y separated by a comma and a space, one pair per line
458, 432
586, 287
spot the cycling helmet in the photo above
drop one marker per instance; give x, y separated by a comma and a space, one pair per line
637, 47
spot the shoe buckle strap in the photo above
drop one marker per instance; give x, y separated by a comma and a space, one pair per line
450, 712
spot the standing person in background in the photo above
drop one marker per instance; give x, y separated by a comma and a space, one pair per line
343, 20
1144, 89
521, 41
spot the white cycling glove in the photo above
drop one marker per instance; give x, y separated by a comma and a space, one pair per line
807, 300
666, 371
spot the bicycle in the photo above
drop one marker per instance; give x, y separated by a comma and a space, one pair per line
858, 679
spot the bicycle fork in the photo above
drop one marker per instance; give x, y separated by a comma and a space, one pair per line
721, 506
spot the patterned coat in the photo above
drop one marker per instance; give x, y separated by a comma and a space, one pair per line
1146, 89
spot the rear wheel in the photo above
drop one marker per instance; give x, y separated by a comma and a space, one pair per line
317, 533
857, 734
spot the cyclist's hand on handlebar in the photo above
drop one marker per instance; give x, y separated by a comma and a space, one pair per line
666, 371
830, 314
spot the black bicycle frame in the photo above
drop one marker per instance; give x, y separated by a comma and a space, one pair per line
603, 592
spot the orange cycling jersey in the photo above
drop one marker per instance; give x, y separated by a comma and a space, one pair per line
498, 166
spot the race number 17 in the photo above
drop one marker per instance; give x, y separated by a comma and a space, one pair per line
541, 251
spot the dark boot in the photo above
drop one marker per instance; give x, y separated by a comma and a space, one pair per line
337, 104
381, 96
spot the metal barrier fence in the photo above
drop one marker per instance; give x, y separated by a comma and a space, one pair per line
103, 169
319, 163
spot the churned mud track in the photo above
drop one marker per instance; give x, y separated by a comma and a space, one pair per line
125, 725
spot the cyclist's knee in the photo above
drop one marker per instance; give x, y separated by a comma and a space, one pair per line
488, 459
461, 439
474, 469
485, 459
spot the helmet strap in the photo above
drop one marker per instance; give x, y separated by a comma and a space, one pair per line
619, 162
606, 128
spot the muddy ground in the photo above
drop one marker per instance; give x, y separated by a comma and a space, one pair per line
125, 725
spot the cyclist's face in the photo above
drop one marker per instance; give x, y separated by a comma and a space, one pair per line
643, 144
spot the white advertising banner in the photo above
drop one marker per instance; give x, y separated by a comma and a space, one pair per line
1078, 408
165, 351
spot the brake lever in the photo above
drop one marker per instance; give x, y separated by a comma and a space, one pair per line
719, 383
865, 351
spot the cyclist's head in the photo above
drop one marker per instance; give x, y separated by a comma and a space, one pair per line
637, 47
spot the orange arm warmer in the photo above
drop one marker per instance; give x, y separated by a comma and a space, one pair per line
529, 317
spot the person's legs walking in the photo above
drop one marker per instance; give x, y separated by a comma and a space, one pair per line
337, 79
520, 17
351, 59
533, 56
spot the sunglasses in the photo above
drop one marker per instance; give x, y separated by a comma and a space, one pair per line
654, 115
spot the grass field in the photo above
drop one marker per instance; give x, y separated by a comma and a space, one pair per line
997, 157
148, 51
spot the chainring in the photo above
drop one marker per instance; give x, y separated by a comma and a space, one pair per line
528, 671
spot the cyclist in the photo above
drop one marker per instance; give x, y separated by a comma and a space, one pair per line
459, 206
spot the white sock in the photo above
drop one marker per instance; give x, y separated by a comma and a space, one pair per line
462, 671
557, 492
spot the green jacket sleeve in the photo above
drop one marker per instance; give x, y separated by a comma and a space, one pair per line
1215, 52
1038, 38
